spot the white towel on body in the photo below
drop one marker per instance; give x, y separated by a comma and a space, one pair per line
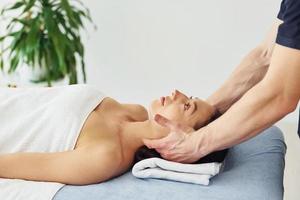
41, 120
163, 169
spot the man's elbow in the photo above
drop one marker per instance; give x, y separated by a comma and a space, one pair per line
290, 106
287, 103
263, 55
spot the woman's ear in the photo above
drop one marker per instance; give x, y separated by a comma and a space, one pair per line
214, 114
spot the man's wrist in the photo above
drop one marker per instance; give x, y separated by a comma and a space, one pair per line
204, 144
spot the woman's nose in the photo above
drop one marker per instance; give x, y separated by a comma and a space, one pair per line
175, 94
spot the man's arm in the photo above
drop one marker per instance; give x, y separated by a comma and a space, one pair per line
263, 105
258, 105
268, 101
248, 73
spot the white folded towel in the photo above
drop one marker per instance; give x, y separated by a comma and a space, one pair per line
162, 169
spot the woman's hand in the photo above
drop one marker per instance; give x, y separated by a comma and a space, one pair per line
180, 145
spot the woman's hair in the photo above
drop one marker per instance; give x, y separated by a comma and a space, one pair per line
217, 156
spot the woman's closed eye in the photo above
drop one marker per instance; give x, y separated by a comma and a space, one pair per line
187, 106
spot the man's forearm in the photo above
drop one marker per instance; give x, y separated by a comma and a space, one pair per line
254, 112
267, 102
247, 74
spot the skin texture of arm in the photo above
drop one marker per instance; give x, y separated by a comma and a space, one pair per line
266, 103
248, 73
77, 167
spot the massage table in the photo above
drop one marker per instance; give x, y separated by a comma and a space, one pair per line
251, 170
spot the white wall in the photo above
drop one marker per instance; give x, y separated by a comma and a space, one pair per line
144, 49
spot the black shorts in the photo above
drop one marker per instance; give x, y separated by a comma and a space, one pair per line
289, 31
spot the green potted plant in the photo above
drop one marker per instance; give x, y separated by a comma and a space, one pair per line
45, 33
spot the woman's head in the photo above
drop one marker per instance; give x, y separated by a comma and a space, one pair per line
192, 112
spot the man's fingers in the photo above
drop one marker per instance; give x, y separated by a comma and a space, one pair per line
148, 143
161, 143
154, 144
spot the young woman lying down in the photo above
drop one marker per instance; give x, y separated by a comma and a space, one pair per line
76, 135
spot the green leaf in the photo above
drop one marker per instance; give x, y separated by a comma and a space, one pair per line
83, 70
14, 21
18, 4
69, 31
18, 38
29, 5
23, 21
85, 13
48, 35
3, 38
1, 63
55, 37
31, 40
14, 34
79, 48
73, 76
54, 62
39, 54
14, 63
77, 18
66, 6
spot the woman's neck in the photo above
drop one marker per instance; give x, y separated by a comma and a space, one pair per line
137, 128
133, 133
137, 113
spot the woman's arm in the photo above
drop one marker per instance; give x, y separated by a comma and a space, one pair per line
77, 167
248, 73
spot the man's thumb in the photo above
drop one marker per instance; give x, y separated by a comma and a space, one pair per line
151, 144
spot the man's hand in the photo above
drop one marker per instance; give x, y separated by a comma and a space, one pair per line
179, 146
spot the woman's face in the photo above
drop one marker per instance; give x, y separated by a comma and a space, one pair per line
178, 107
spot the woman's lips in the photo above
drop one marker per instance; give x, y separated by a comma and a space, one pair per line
162, 100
